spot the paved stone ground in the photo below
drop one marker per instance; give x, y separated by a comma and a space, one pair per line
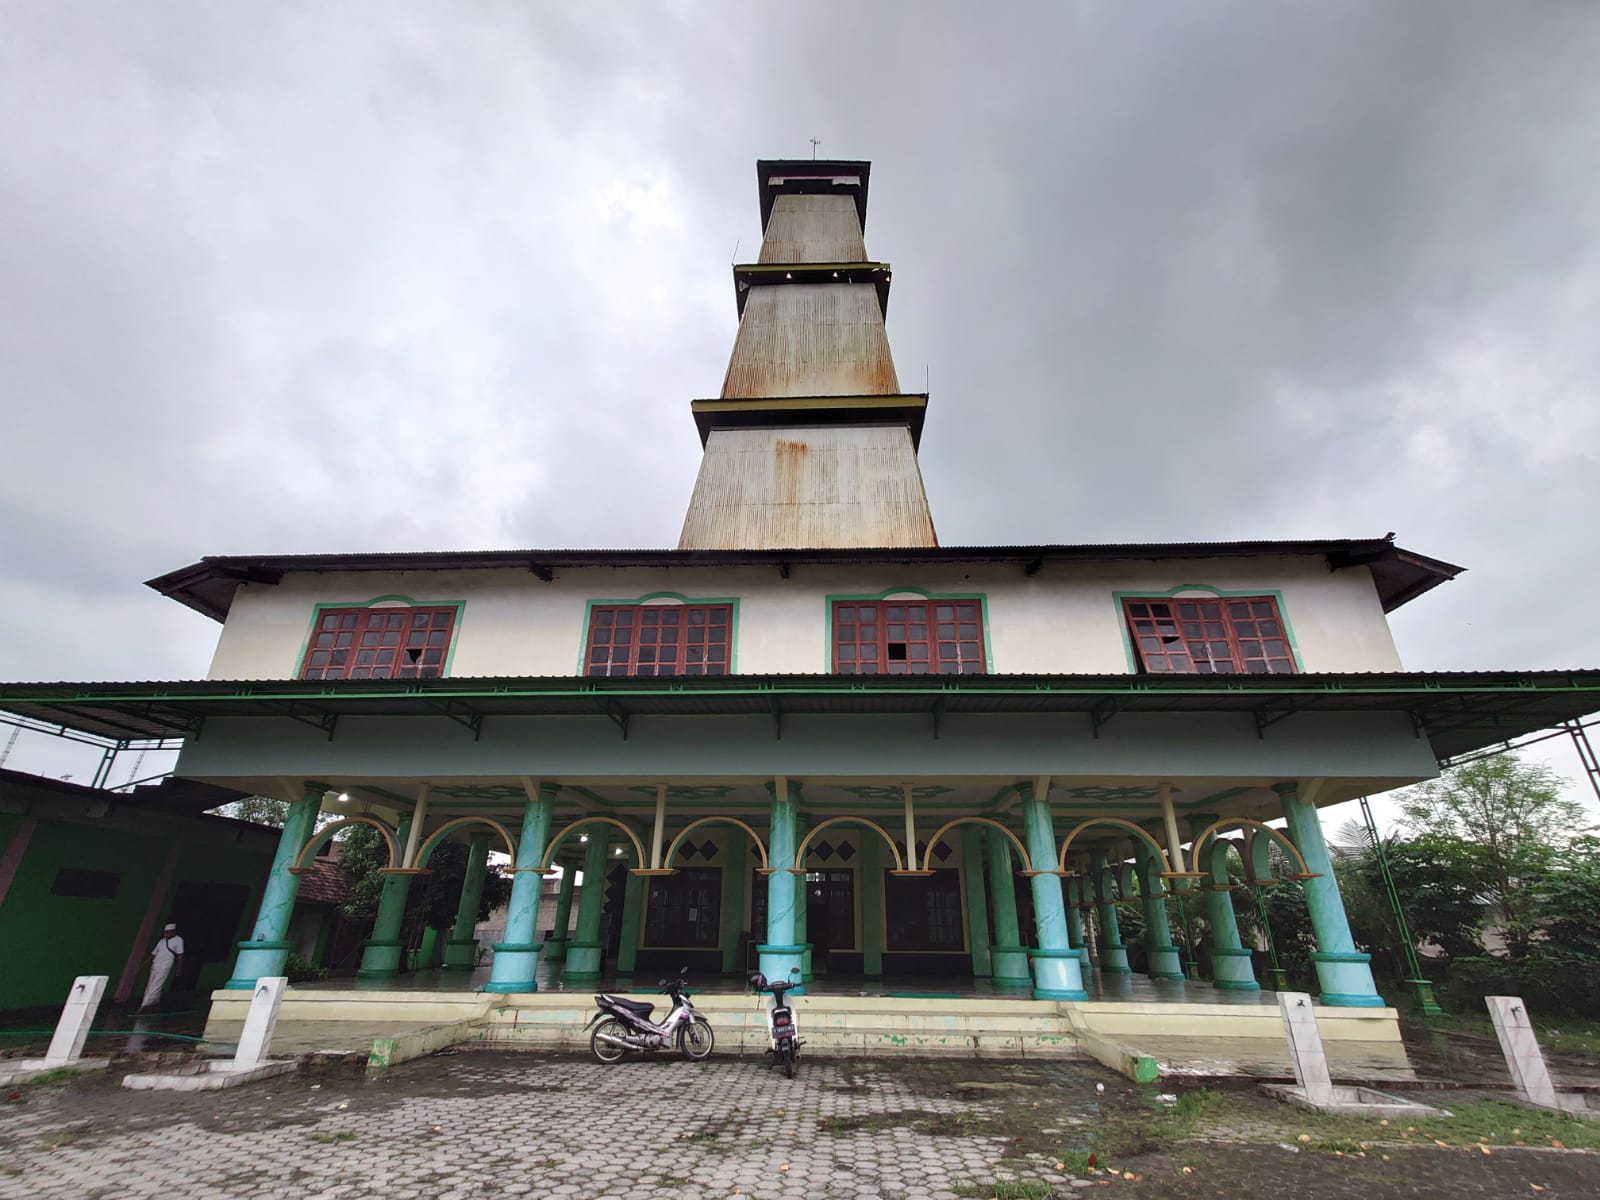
526, 1125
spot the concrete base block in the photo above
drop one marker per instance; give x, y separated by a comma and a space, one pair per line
208, 1076
1353, 1101
26, 1070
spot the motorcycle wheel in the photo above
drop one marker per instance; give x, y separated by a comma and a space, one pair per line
787, 1054
608, 1052
695, 1040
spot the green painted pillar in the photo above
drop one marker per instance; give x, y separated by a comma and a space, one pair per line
977, 901
1057, 971
1008, 957
380, 958
1230, 958
632, 918
782, 953
802, 907
517, 958
1165, 962
555, 950
586, 953
1073, 888
1113, 950
264, 955
732, 915
461, 953
1344, 972
871, 905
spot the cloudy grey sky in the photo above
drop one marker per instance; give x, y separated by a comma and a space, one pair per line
383, 276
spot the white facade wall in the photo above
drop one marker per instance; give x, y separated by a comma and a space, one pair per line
1066, 619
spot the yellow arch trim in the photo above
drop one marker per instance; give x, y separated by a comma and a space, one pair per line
432, 844
1141, 834
1277, 835
1022, 851
800, 850
666, 859
555, 842
321, 837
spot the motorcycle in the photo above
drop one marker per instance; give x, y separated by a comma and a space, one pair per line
783, 1037
622, 1025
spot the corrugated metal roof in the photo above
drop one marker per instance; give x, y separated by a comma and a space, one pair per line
1460, 711
208, 585
811, 486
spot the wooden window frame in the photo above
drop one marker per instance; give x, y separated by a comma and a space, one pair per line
1175, 635
340, 637
855, 651
667, 924
643, 656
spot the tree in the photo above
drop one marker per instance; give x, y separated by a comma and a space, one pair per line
431, 899
260, 810
1498, 822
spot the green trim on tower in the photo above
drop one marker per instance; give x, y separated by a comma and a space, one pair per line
844, 597
318, 609
733, 628
1277, 595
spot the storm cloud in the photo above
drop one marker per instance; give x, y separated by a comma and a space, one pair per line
384, 276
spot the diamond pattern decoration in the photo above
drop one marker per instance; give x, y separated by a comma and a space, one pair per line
879, 792
708, 849
824, 850
686, 791
941, 852
846, 851
687, 851
1114, 793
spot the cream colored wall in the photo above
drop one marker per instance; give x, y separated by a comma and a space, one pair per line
1065, 619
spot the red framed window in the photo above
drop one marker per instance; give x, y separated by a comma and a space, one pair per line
894, 637
1234, 636
659, 639
379, 643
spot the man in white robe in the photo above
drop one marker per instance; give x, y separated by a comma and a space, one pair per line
167, 955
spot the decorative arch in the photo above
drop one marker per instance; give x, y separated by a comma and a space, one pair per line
555, 842
1276, 835
672, 848
1022, 851
800, 850
1217, 869
1139, 834
321, 837
425, 851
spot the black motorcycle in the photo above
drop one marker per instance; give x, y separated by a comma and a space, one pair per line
625, 1025
783, 1036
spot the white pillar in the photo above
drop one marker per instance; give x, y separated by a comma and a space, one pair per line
77, 1014
259, 1023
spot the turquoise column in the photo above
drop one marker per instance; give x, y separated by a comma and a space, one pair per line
1057, 971
977, 902
461, 952
1113, 950
1075, 923
1164, 959
632, 914
1231, 968
585, 953
732, 914
517, 958
264, 955
556, 948
802, 906
1344, 972
381, 957
1008, 957
782, 953
871, 906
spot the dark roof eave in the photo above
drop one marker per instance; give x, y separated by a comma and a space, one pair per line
208, 586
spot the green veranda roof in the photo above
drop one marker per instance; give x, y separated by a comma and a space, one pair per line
1459, 711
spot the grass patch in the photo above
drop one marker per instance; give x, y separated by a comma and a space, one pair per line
65, 1137
1004, 1189
1499, 1123
343, 1135
672, 1181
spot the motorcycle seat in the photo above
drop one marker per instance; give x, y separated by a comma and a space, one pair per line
643, 1007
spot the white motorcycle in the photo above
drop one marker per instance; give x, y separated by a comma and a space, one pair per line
783, 1035
625, 1025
